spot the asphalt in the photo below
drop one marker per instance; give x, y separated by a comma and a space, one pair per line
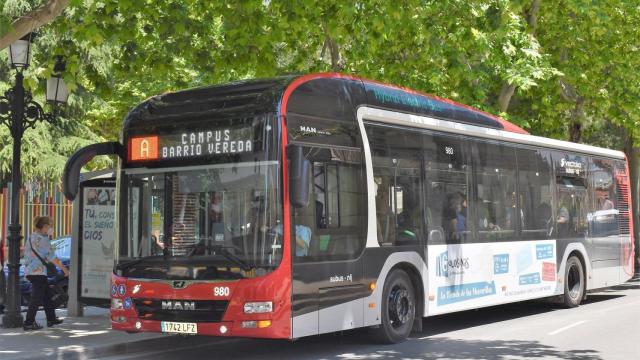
605, 327
76, 338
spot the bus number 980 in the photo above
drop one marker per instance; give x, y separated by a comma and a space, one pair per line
221, 291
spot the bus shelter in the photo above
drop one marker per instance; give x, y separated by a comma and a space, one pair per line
93, 242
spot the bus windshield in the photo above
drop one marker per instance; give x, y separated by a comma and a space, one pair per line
210, 222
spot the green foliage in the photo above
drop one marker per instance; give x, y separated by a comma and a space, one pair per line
120, 52
595, 47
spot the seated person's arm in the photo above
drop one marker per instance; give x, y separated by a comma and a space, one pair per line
300, 244
303, 238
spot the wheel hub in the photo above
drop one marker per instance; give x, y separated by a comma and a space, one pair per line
573, 281
400, 306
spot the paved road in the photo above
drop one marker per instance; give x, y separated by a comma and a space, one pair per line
607, 326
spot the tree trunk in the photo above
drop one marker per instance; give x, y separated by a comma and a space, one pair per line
507, 90
505, 96
633, 156
575, 128
33, 20
334, 53
532, 15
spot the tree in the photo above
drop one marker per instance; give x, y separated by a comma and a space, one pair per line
539, 64
31, 21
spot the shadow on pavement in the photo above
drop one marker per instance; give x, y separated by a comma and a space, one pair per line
355, 345
465, 319
594, 298
633, 284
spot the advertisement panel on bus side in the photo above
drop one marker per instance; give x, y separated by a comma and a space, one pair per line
465, 276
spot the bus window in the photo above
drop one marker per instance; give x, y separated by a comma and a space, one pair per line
496, 198
199, 214
446, 188
406, 198
331, 227
398, 208
603, 217
396, 174
534, 189
572, 196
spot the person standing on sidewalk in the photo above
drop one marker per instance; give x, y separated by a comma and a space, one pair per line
37, 252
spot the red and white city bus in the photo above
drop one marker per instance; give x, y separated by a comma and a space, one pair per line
295, 206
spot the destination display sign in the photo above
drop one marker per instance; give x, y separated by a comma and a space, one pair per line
191, 144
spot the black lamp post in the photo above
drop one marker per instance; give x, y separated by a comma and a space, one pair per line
19, 112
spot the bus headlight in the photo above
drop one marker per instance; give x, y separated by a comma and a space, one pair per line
258, 307
116, 304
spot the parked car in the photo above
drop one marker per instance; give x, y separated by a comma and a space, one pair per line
62, 248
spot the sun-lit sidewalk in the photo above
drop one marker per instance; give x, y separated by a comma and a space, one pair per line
77, 338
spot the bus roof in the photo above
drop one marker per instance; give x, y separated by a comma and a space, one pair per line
320, 95
266, 94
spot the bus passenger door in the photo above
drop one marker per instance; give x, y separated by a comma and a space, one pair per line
603, 219
328, 291
571, 202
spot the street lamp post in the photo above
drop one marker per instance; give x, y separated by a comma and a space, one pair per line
19, 112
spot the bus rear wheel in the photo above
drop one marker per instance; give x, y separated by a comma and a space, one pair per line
398, 309
574, 282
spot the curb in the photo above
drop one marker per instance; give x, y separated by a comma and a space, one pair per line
141, 347
124, 348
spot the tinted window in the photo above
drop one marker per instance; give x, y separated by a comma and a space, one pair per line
496, 200
534, 193
572, 197
603, 217
396, 160
332, 226
62, 247
447, 190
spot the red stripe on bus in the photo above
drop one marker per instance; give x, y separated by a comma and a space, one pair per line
507, 126
631, 233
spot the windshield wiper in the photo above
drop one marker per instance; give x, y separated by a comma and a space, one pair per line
231, 256
127, 264
224, 251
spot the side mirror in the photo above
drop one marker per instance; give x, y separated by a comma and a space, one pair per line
299, 176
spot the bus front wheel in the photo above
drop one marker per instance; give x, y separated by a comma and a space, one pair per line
574, 282
398, 308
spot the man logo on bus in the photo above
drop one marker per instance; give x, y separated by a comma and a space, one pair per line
178, 305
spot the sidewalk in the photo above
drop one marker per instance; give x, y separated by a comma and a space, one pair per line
77, 338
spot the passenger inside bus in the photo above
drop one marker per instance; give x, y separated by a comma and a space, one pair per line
454, 218
545, 217
563, 219
303, 235
512, 214
383, 208
603, 201
216, 224
409, 220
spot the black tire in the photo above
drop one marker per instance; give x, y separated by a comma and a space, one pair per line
574, 282
398, 309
